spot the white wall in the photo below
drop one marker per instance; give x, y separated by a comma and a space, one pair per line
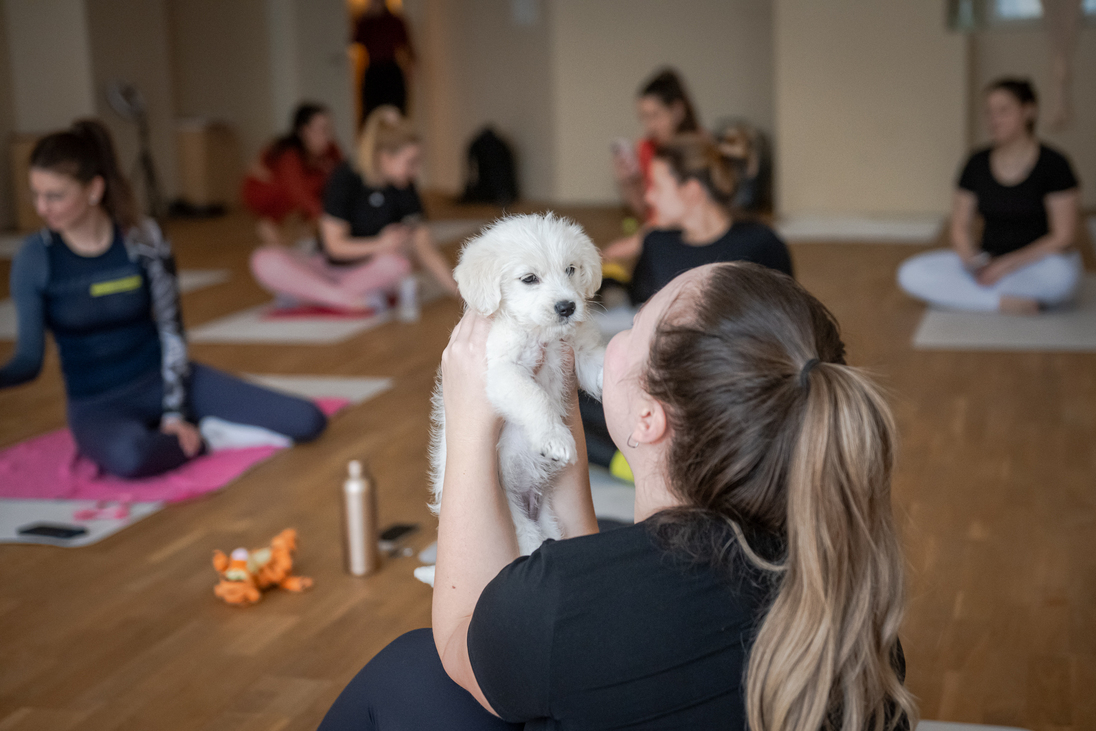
871, 107
477, 65
1024, 52
129, 42
602, 51
309, 61
221, 67
50, 62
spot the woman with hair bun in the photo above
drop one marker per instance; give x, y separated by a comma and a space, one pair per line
761, 586
690, 195
370, 231
1028, 198
291, 174
103, 280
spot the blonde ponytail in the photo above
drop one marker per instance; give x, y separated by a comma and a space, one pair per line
385, 130
771, 430
831, 634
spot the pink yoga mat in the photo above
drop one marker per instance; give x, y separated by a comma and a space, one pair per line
48, 468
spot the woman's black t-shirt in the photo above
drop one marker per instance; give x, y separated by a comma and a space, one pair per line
1015, 215
618, 631
611, 631
367, 210
666, 254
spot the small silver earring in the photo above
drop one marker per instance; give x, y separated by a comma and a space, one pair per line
629, 442
93, 201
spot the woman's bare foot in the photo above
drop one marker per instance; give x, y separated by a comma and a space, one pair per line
1017, 306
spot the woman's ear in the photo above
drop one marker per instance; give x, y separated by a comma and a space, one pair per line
651, 424
479, 276
693, 192
95, 190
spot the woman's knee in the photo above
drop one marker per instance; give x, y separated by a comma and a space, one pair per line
269, 262
1065, 280
923, 275
396, 676
310, 422
125, 456
394, 266
914, 276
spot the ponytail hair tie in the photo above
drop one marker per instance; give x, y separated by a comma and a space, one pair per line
806, 372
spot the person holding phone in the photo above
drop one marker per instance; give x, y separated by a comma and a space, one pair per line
761, 586
1028, 198
664, 110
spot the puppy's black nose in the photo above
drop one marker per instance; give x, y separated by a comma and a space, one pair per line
565, 308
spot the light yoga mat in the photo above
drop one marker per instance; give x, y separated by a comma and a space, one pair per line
190, 280
254, 325
15, 514
917, 230
1070, 329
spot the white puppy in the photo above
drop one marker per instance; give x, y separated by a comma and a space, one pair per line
533, 276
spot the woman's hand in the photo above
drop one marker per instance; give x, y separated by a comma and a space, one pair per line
468, 413
993, 272
190, 439
393, 238
628, 247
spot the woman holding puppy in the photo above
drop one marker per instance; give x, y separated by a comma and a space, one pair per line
761, 584
370, 230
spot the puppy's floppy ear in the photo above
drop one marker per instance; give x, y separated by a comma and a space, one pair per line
589, 268
479, 276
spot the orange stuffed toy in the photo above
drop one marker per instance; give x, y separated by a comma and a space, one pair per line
246, 573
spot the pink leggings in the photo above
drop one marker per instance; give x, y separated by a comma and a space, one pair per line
310, 279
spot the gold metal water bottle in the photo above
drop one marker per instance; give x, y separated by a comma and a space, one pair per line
360, 510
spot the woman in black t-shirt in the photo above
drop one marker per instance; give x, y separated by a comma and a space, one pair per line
761, 585
1026, 194
370, 229
690, 192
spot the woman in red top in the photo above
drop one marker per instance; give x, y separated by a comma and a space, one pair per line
290, 175
664, 110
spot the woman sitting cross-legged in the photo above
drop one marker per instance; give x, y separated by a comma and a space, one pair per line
1027, 196
370, 231
104, 282
761, 586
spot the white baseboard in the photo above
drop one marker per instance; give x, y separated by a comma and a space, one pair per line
906, 229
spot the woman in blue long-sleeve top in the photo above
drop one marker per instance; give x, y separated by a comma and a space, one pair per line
103, 281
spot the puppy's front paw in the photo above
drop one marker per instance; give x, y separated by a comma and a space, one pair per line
559, 446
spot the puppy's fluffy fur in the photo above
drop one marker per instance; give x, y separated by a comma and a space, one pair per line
533, 275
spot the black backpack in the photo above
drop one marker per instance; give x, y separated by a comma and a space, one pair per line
491, 176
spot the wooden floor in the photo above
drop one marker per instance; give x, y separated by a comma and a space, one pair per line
995, 495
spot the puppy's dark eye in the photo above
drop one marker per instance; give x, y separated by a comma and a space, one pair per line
530, 279
570, 271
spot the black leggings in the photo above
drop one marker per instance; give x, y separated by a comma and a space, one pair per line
405, 688
120, 430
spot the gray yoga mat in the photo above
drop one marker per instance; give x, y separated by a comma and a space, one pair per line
1069, 329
